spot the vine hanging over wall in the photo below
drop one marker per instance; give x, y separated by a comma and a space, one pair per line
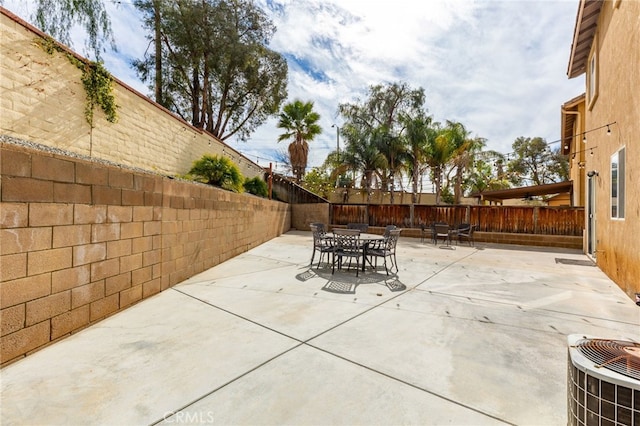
98, 84
96, 80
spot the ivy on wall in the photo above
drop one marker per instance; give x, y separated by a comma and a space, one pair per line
96, 80
98, 84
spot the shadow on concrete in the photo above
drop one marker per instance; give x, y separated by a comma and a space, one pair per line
346, 282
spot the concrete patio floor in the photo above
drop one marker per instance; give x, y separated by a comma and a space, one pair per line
462, 335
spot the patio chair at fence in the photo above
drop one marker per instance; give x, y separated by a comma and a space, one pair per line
441, 230
321, 244
425, 230
346, 244
465, 231
363, 227
385, 248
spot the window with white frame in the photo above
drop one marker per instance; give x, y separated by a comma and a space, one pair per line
593, 78
617, 184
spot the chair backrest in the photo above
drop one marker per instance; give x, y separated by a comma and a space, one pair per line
464, 227
317, 235
392, 239
320, 226
347, 241
387, 229
441, 228
364, 227
342, 231
467, 231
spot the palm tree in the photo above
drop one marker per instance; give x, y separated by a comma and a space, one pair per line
362, 157
300, 124
416, 134
440, 151
393, 148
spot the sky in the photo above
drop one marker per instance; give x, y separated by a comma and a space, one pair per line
497, 66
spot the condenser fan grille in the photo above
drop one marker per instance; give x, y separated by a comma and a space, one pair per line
621, 357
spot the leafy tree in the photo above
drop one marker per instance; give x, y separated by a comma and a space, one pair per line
318, 181
440, 151
487, 172
256, 186
466, 149
300, 123
57, 18
218, 72
417, 132
218, 171
152, 11
362, 157
534, 161
378, 117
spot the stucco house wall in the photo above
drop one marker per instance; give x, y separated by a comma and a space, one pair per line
613, 97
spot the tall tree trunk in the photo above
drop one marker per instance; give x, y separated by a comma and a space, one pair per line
196, 120
206, 89
458, 186
438, 180
158, 47
414, 183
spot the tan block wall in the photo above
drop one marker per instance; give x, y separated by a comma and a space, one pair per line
66, 264
42, 100
305, 214
618, 38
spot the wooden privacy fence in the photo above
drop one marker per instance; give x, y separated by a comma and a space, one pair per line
509, 219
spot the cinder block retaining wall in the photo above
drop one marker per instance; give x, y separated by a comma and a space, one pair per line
305, 214
42, 100
80, 240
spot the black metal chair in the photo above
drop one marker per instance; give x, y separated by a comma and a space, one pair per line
363, 227
388, 228
320, 226
321, 243
425, 230
385, 248
346, 244
441, 230
465, 231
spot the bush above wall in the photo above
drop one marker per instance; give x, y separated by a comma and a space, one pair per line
218, 171
256, 186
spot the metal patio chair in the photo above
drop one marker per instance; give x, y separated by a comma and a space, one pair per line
441, 231
363, 227
385, 248
321, 243
346, 244
465, 231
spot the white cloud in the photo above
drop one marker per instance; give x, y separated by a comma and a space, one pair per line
497, 66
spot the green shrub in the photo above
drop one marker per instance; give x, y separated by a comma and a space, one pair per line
218, 171
256, 186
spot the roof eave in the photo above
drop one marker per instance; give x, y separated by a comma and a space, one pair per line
583, 34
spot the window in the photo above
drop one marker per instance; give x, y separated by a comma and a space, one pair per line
592, 73
617, 184
593, 79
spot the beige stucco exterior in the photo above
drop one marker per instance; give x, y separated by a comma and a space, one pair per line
609, 118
